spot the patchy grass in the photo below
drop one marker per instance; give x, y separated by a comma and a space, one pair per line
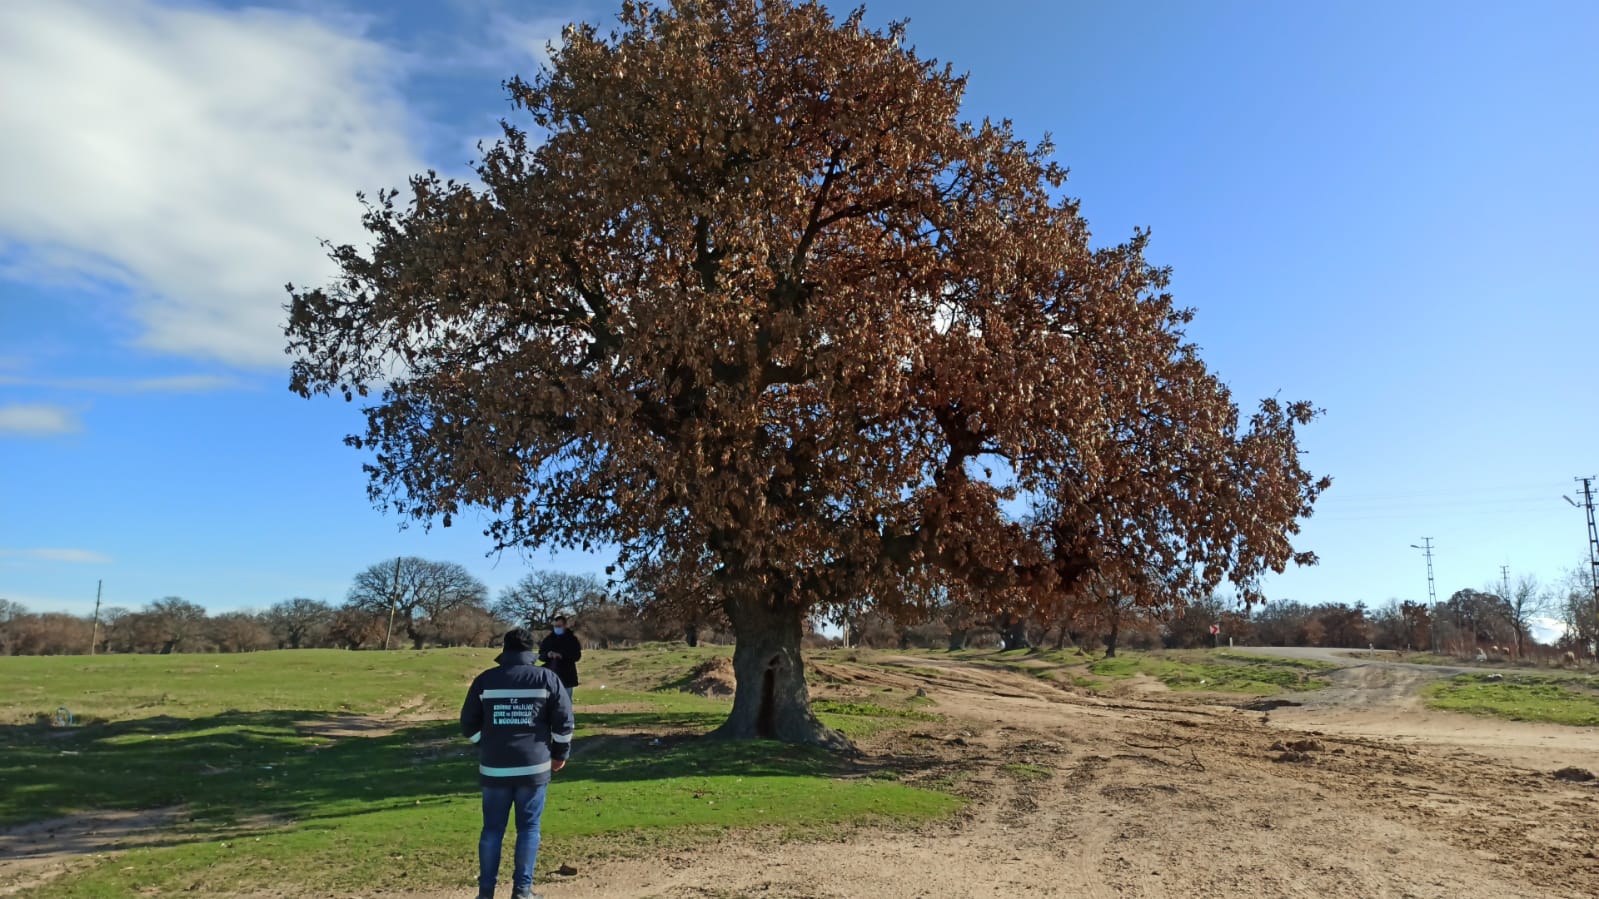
1558, 700
1220, 672
862, 719
649, 667
1027, 771
268, 802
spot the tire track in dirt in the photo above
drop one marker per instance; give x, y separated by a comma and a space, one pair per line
1082, 796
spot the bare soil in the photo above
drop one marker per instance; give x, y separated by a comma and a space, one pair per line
1358, 792
33, 853
713, 677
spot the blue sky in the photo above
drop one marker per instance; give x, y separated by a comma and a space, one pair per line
1386, 208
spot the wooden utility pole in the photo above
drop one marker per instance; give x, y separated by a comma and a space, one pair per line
394, 600
94, 632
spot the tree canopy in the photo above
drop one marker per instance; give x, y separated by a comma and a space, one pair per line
744, 297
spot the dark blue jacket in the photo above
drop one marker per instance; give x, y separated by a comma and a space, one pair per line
571, 650
520, 717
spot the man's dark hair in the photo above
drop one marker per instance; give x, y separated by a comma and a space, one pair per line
518, 640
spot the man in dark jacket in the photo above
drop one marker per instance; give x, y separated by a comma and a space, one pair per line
520, 717
560, 652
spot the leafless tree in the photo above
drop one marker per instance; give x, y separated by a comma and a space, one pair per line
239, 632
299, 621
538, 596
414, 590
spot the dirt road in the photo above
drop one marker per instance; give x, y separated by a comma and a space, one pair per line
1155, 795
1374, 694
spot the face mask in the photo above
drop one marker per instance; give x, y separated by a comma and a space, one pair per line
559, 631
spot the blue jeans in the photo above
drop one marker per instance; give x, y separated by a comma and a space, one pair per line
498, 802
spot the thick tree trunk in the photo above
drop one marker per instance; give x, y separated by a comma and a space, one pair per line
770, 700
691, 635
957, 639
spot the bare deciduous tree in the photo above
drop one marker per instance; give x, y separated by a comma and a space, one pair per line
239, 632
538, 596
299, 621
416, 591
174, 623
1527, 601
1579, 608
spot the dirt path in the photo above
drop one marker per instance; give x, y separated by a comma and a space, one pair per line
1163, 796
1375, 695
32, 854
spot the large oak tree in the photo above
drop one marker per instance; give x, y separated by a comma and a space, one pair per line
745, 297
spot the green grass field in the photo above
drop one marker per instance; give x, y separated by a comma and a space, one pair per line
269, 803
1558, 699
1222, 672
323, 772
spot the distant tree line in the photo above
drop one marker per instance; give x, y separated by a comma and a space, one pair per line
404, 602
441, 604
1496, 621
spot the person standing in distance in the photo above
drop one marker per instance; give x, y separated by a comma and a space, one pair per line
560, 652
520, 717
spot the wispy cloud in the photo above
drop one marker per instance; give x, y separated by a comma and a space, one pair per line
523, 45
169, 384
75, 556
37, 420
506, 41
192, 155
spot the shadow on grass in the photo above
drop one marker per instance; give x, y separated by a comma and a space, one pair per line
265, 766
651, 720
608, 759
223, 767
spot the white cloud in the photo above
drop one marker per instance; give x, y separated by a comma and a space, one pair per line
524, 45
193, 155
1547, 630
505, 40
168, 384
76, 556
37, 420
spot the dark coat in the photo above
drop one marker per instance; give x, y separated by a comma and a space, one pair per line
571, 650
520, 717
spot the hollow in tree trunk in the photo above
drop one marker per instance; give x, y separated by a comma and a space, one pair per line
1013, 632
770, 700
